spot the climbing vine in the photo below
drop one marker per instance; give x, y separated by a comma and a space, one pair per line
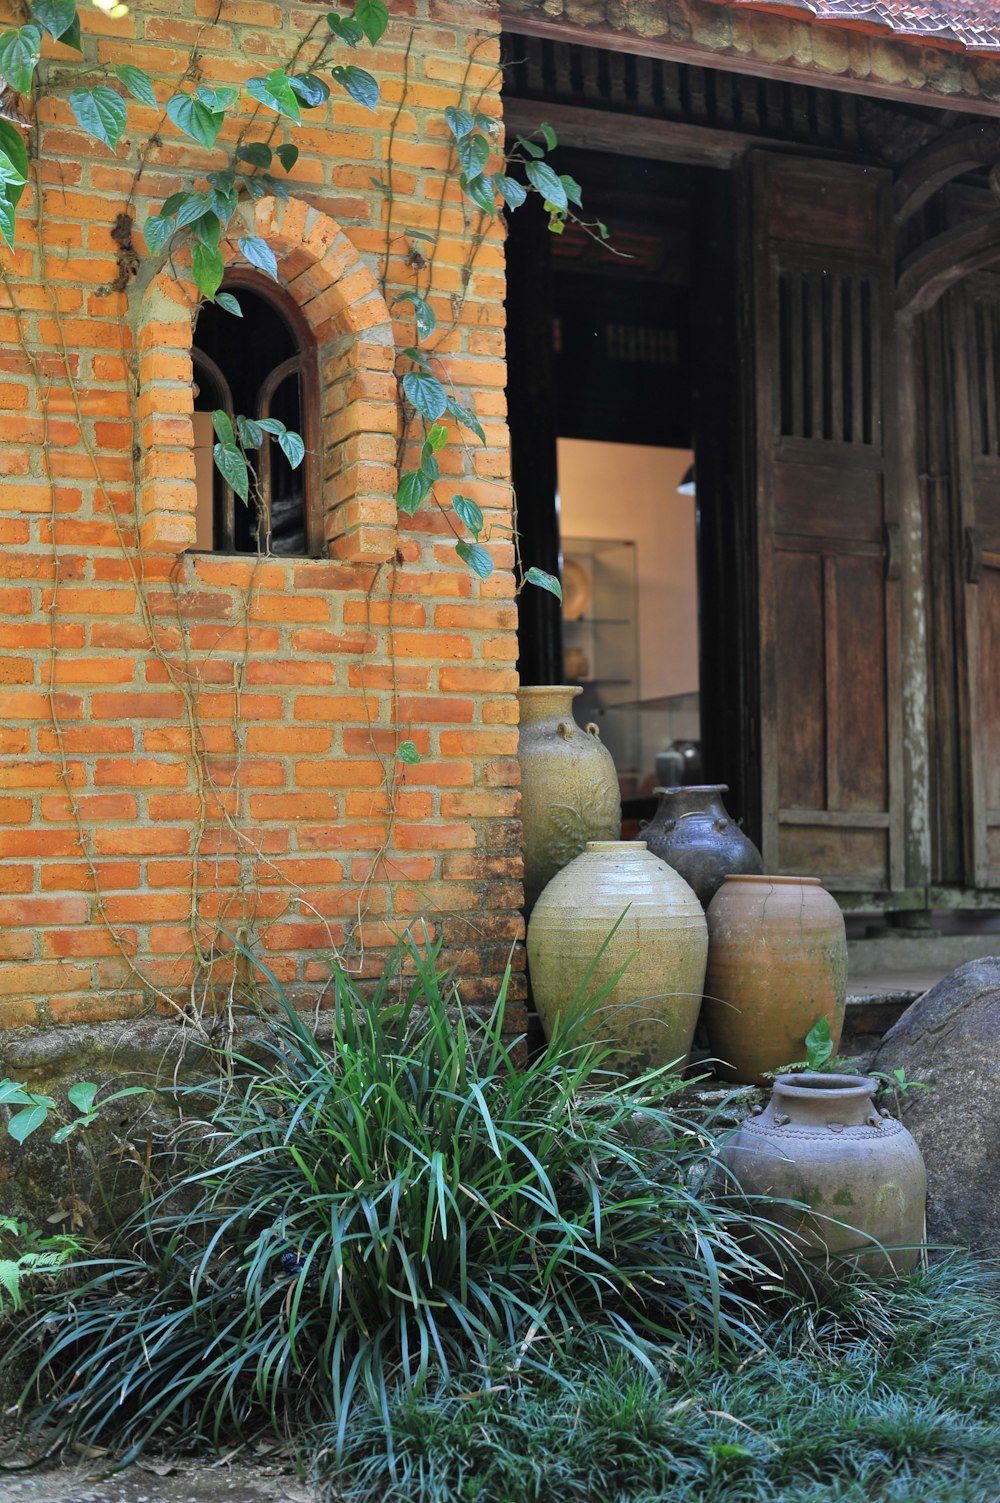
194, 224
199, 215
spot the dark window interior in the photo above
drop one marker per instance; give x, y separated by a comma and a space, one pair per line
239, 367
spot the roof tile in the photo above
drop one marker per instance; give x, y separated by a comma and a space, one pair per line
969, 23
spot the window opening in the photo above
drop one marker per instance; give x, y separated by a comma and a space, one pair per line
256, 366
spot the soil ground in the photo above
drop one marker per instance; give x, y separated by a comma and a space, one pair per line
156, 1482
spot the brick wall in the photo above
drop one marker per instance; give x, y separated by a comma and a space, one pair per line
189, 742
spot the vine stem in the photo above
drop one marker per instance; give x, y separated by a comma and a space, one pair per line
389, 193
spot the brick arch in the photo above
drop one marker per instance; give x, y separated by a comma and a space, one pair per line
340, 299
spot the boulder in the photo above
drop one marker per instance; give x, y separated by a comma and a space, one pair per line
949, 1040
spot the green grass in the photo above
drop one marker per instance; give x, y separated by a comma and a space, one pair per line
397, 1207
891, 1395
433, 1273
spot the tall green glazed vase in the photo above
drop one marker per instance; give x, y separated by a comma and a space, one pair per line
569, 787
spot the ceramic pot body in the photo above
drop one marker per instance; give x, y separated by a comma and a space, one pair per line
693, 833
777, 963
650, 1014
821, 1140
569, 787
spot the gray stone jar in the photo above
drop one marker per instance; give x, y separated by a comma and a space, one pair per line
692, 832
820, 1141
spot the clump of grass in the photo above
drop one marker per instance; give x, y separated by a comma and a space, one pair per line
887, 1394
403, 1210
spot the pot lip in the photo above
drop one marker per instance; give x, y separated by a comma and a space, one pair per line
774, 881
694, 788
636, 847
818, 1085
532, 689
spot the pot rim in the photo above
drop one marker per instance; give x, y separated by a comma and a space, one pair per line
636, 846
816, 1085
774, 881
571, 689
694, 788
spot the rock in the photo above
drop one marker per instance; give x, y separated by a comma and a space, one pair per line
949, 1040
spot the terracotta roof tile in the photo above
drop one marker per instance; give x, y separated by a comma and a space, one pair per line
969, 23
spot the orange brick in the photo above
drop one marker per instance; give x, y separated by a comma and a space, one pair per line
340, 837
18, 1014
478, 743
15, 811
107, 806
314, 640
149, 908
294, 806
74, 670
56, 876
88, 1008
335, 708
39, 980
160, 840
433, 645
302, 671
293, 740
141, 773
340, 774
433, 836
84, 944
436, 709
102, 740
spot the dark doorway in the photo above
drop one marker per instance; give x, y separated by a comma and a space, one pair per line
623, 377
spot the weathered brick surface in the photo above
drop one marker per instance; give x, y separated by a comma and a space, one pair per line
174, 725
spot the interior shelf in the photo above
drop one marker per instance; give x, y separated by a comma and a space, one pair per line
600, 638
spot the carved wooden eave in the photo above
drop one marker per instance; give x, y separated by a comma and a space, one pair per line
794, 48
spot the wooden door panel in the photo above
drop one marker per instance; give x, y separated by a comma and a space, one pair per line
853, 860
831, 209
800, 698
856, 685
986, 480
827, 503
993, 842
974, 312
989, 682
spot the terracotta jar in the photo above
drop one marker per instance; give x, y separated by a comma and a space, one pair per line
650, 1013
777, 963
693, 833
821, 1141
569, 787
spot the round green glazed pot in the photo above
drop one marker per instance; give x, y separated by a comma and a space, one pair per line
648, 1016
821, 1141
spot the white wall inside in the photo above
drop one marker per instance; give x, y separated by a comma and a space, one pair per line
629, 491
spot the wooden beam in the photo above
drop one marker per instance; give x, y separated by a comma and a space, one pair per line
632, 135
622, 134
939, 263
937, 163
835, 819
701, 54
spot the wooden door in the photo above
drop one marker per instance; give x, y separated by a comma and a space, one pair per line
976, 332
827, 530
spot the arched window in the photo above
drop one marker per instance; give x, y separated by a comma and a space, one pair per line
262, 365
